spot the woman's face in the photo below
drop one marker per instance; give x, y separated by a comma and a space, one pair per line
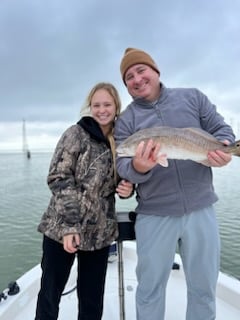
103, 109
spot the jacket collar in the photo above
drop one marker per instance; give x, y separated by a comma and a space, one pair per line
93, 128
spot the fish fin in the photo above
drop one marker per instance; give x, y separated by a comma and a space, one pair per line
205, 163
163, 161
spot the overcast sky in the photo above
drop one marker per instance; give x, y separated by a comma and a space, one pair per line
53, 51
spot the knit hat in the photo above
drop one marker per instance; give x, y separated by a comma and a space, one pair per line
134, 56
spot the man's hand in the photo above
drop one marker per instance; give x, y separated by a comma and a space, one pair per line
146, 156
219, 158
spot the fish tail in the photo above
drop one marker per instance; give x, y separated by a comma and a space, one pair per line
234, 148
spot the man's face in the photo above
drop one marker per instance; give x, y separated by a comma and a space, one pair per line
143, 81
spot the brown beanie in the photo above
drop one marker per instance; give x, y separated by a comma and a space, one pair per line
134, 56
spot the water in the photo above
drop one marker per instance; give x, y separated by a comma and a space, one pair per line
24, 195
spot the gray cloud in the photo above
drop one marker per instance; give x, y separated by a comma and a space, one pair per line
53, 51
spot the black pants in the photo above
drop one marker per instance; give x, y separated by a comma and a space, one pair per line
56, 266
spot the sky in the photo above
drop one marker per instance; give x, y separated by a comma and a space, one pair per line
53, 51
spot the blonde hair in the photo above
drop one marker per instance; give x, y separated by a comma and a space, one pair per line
117, 101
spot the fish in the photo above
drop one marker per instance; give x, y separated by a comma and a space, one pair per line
177, 143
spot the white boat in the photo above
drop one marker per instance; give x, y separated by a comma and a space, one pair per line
119, 302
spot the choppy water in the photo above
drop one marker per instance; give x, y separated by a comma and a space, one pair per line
24, 196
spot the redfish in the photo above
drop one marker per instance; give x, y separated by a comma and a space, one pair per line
177, 143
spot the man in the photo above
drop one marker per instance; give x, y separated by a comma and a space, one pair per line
175, 204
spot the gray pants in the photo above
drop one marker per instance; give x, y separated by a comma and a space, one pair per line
198, 239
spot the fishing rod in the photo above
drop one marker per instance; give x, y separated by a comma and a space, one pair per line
126, 231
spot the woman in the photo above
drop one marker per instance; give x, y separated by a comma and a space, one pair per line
81, 214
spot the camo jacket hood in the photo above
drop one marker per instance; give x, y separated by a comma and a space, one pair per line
83, 190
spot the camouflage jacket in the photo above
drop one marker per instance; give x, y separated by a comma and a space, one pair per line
83, 190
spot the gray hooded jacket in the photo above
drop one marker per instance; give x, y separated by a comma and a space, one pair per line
185, 185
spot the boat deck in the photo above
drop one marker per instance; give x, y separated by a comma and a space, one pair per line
22, 306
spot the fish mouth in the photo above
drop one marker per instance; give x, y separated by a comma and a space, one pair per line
122, 154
